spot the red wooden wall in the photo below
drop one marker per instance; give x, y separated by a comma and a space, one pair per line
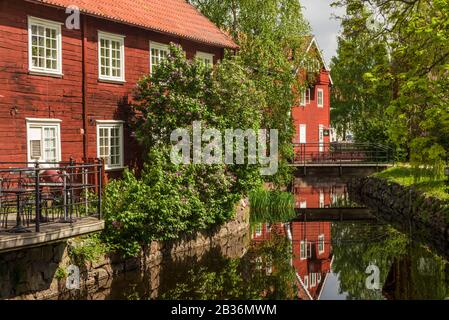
311, 115
23, 95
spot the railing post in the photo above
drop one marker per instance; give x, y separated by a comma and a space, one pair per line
38, 197
65, 198
100, 188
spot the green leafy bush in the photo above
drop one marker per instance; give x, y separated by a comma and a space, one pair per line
87, 249
167, 200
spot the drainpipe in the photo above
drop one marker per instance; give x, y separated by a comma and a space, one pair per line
84, 90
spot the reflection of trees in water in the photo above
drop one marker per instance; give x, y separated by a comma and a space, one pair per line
355, 247
264, 272
407, 270
418, 275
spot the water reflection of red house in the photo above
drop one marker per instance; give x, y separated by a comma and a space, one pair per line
307, 196
311, 256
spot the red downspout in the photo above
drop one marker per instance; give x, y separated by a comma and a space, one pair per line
84, 81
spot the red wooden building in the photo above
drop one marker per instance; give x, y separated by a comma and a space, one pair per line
311, 256
311, 241
65, 89
311, 113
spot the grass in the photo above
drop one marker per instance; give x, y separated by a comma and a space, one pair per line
424, 179
271, 206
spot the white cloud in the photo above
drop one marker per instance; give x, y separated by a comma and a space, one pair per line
325, 26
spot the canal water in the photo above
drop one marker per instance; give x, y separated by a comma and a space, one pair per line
333, 249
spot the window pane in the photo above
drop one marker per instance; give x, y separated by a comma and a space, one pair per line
110, 144
110, 58
44, 47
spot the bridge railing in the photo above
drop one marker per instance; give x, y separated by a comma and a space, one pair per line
334, 153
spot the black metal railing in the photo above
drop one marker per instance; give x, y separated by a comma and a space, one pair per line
340, 153
32, 194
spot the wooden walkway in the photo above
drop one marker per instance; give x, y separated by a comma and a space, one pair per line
50, 233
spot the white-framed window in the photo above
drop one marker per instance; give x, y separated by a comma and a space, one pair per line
44, 46
302, 133
302, 99
313, 280
206, 58
306, 282
110, 143
158, 52
111, 57
303, 204
305, 97
320, 98
321, 244
303, 250
44, 140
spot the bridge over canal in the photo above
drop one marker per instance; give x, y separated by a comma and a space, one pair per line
341, 158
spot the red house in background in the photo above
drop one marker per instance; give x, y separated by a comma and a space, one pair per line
311, 113
311, 256
311, 241
65, 89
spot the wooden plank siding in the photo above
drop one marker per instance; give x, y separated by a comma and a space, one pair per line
23, 95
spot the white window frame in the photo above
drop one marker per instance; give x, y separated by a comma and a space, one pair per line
320, 91
303, 99
112, 124
205, 55
42, 123
313, 280
46, 24
158, 46
303, 250
303, 138
112, 37
321, 244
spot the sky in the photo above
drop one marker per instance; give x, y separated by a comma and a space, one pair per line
324, 26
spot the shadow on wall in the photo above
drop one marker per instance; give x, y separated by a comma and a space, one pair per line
30, 270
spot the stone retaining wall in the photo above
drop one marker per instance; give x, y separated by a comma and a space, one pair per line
33, 273
426, 218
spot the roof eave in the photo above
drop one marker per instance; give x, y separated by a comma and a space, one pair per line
232, 45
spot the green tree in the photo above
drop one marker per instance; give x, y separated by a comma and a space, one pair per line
416, 34
270, 35
356, 105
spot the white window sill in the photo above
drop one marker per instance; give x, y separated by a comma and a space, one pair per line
112, 81
114, 169
46, 74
